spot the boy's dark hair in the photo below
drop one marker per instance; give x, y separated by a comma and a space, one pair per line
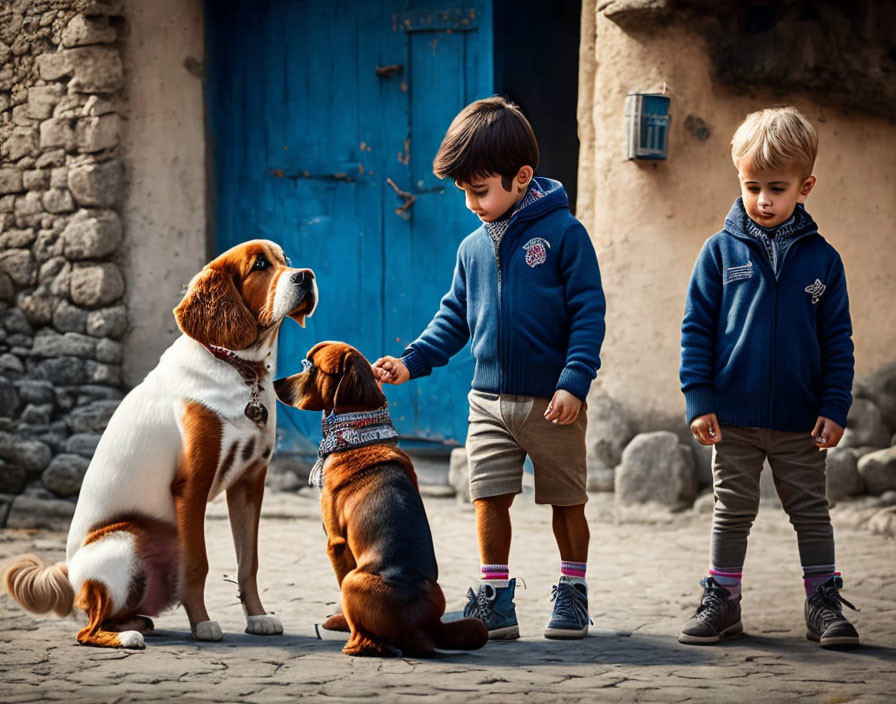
488, 137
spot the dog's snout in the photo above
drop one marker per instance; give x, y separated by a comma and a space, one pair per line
302, 277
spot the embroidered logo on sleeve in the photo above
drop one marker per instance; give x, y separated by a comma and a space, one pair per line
738, 273
536, 251
815, 290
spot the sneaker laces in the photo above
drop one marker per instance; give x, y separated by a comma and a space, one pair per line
481, 602
566, 605
827, 599
714, 596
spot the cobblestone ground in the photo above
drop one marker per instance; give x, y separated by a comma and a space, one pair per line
643, 580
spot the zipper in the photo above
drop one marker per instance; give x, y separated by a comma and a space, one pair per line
497, 246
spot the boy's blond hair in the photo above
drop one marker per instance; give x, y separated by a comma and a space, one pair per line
776, 138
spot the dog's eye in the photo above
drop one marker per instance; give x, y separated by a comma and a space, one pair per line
307, 365
261, 263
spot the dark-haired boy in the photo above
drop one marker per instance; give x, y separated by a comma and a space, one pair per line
527, 291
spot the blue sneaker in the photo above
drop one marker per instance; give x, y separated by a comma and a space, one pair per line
494, 606
570, 616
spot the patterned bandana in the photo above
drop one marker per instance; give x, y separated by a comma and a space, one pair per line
349, 431
497, 228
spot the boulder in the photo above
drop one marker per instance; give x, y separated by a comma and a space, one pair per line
656, 468
865, 426
601, 479
91, 234
83, 444
91, 418
459, 474
878, 470
64, 474
609, 431
96, 285
107, 322
33, 512
842, 474
99, 185
881, 386
12, 478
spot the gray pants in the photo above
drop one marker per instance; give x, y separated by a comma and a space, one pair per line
798, 470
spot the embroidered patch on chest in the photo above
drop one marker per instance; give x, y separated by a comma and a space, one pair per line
536, 251
738, 273
815, 290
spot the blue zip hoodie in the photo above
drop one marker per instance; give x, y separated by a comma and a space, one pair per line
533, 305
765, 350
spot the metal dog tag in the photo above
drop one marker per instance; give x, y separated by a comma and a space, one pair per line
257, 413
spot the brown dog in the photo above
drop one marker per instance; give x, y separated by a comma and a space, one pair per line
378, 538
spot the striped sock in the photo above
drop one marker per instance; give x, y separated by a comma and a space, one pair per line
813, 575
496, 575
728, 577
573, 571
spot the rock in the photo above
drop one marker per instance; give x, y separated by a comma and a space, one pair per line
5, 504
97, 392
96, 285
601, 479
22, 143
878, 470
108, 374
888, 498
10, 363
37, 414
37, 305
63, 371
34, 391
48, 343
459, 474
14, 320
842, 475
884, 522
609, 431
64, 474
58, 200
107, 322
12, 478
109, 352
69, 318
91, 418
865, 426
17, 239
9, 399
705, 503
83, 444
10, 180
93, 134
83, 31
882, 388
59, 177
31, 455
42, 100
91, 234
36, 180
57, 132
656, 468
7, 288
97, 184
49, 514
55, 157
20, 266
94, 69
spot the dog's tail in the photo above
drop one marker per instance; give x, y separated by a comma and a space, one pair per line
466, 634
39, 588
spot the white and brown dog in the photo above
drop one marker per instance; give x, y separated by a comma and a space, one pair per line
202, 422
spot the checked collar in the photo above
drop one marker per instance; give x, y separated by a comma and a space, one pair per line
251, 372
349, 431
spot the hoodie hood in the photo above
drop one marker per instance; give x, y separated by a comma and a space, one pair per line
739, 224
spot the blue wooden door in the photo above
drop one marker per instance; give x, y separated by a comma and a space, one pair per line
325, 117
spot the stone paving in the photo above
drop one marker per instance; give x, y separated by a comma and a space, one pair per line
643, 580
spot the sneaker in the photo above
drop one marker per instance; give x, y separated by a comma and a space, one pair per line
717, 617
494, 606
569, 619
825, 622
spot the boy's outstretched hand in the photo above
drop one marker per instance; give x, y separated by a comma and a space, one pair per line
390, 370
706, 429
563, 408
826, 433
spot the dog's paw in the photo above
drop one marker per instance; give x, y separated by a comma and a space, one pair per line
264, 625
131, 639
336, 622
208, 630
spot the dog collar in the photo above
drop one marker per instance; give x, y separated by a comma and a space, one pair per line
251, 372
349, 431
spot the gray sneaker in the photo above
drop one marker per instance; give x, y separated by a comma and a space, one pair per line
494, 606
717, 617
825, 622
569, 618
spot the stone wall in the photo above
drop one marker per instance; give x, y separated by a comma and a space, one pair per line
62, 312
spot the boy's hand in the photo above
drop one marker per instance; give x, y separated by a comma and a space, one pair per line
563, 408
706, 429
826, 433
390, 370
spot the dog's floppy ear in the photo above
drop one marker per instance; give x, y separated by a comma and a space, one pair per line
213, 312
289, 392
357, 388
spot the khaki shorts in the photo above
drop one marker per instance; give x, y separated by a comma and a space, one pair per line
504, 429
